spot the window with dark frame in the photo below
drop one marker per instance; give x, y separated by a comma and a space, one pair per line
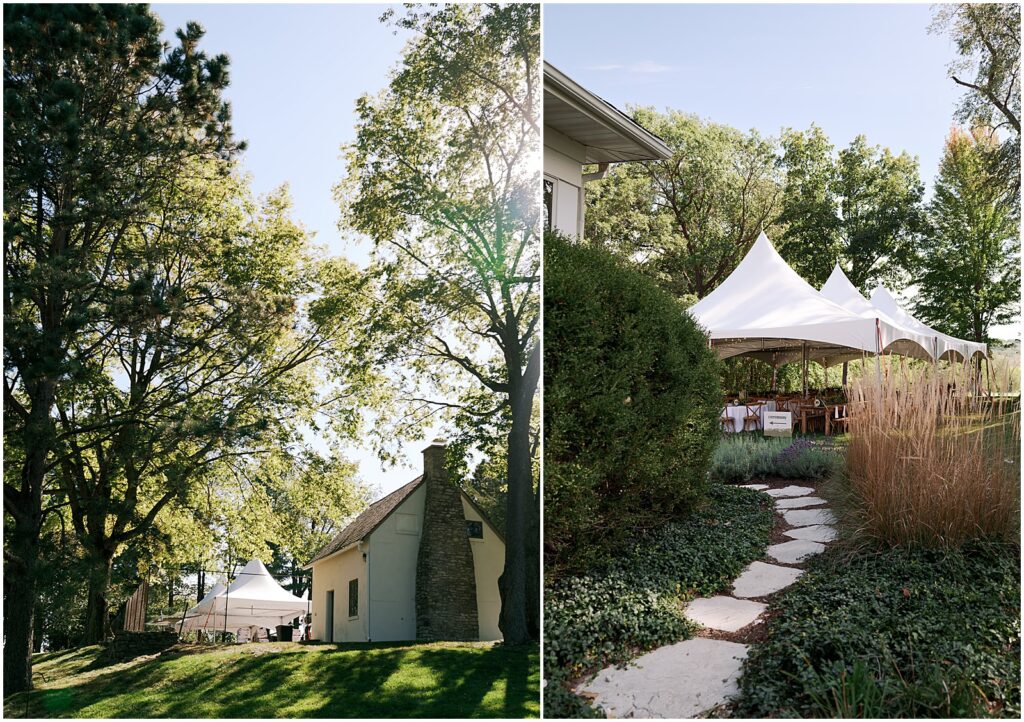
475, 529
549, 197
353, 598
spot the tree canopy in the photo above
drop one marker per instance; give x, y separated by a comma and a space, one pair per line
987, 37
688, 219
98, 116
861, 208
164, 331
971, 257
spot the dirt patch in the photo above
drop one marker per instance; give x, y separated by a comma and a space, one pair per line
753, 633
778, 535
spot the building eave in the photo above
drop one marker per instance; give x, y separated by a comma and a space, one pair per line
608, 134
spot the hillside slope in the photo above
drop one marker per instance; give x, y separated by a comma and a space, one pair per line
289, 680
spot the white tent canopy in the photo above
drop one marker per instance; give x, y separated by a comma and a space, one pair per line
253, 599
945, 346
911, 341
764, 309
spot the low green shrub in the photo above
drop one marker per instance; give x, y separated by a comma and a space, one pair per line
894, 633
631, 403
740, 458
635, 602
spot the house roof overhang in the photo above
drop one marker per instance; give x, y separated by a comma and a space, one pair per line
607, 134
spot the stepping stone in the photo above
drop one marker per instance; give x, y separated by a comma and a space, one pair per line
679, 680
724, 613
798, 502
793, 552
790, 491
755, 487
760, 579
816, 533
808, 517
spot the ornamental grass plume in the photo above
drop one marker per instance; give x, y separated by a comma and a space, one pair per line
930, 462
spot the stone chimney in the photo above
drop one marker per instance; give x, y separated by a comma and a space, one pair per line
445, 580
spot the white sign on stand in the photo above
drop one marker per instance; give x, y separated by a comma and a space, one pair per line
778, 423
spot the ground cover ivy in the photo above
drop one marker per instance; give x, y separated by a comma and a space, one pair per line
635, 603
893, 633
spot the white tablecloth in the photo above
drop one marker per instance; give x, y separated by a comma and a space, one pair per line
738, 413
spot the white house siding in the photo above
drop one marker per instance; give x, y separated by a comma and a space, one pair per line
488, 562
563, 165
335, 572
387, 579
392, 569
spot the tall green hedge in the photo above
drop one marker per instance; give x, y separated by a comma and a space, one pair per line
631, 404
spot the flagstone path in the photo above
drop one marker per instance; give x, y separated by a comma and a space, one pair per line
696, 676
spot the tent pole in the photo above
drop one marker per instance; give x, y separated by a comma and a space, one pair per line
804, 344
878, 351
227, 593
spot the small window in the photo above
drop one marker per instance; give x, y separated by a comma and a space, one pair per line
353, 599
549, 197
475, 529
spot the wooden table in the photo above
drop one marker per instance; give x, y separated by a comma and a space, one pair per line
810, 411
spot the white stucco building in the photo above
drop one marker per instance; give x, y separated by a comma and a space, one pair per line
365, 579
582, 129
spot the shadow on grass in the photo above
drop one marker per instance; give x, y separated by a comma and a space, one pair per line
366, 680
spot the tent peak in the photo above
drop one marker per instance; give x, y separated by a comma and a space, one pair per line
255, 566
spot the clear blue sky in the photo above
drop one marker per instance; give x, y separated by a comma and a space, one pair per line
851, 69
296, 72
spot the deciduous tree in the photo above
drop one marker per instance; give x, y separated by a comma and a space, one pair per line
688, 219
861, 207
201, 356
987, 36
971, 257
443, 176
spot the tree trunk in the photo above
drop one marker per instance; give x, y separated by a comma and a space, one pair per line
513, 621
200, 585
19, 607
27, 513
533, 593
846, 368
96, 611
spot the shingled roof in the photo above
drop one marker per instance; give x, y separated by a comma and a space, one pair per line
364, 524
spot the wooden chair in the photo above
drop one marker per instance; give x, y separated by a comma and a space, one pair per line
753, 416
835, 419
726, 421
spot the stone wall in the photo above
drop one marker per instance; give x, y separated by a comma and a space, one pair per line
129, 645
446, 605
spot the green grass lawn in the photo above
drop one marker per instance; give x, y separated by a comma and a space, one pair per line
290, 680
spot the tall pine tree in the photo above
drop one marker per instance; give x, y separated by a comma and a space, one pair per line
99, 114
